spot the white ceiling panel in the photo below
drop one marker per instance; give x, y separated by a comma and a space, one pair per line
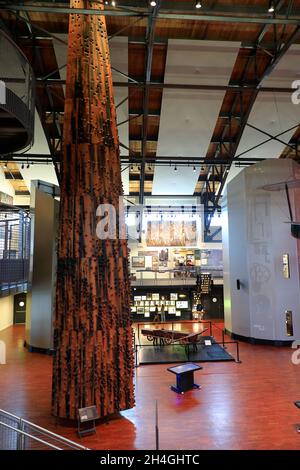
38, 172
286, 71
188, 118
273, 114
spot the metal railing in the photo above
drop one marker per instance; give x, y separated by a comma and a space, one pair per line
19, 434
184, 276
14, 248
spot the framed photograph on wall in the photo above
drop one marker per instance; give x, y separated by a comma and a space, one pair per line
138, 261
140, 310
172, 310
155, 296
178, 313
182, 304
174, 296
133, 309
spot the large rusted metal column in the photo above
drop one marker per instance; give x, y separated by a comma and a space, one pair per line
93, 363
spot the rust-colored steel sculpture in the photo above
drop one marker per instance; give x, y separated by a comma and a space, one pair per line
93, 363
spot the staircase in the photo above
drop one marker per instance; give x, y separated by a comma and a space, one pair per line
17, 98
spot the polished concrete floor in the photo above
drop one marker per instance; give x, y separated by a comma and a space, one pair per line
240, 406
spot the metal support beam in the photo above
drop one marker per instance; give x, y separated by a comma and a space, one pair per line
279, 53
149, 57
292, 20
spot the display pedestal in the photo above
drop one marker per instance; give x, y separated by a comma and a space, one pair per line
297, 403
184, 377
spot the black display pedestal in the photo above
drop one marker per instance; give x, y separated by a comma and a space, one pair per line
184, 377
297, 403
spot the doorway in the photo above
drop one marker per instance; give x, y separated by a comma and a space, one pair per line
20, 308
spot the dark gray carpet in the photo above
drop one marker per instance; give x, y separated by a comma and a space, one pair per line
149, 354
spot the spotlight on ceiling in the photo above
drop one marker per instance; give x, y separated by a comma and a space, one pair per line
153, 3
202, 168
113, 3
198, 5
28, 165
271, 8
22, 166
175, 168
194, 169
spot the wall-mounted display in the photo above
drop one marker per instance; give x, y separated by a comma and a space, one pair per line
171, 233
147, 308
182, 304
138, 261
285, 266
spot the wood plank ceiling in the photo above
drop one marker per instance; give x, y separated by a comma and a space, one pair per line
260, 45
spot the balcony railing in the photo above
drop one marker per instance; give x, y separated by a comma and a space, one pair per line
172, 277
14, 250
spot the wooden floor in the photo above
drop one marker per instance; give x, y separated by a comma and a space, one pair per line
240, 406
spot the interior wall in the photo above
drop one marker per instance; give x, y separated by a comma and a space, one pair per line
40, 300
6, 311
258, 237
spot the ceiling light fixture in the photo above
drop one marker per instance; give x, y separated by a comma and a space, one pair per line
271, 8
175, 168
28, 166
194, 169
153, 3
202, 168
198, 5
113, 3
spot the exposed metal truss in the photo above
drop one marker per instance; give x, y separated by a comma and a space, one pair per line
211, 196
292, 20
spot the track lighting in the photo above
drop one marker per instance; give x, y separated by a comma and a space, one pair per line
194, 169
202, 168
198, 5
175, 168
22, 166
28, 166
